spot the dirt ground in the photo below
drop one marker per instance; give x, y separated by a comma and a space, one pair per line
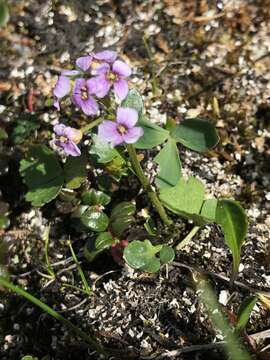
201, 52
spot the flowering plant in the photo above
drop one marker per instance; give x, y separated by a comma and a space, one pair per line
116, 128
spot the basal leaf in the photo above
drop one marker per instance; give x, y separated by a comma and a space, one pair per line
185, 198
153, 135
196, 134
232, 218
122, 217
43, 175
95, 197
166, 254
26, 124
244, 312
95, 219
169, 165
125, 208
93, 248
141, 255
75, 171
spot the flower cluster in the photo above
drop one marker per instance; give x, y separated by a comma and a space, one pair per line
96, 74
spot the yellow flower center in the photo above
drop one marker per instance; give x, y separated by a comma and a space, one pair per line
95, 63
121, 129
84, 93
111, 76
63, 139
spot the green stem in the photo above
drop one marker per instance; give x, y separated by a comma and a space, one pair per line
9, 285
74, 288
47, 260
187, 238
90, 126
153, 73
146, 185
85, 284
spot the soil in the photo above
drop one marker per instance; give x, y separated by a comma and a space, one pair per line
201, 52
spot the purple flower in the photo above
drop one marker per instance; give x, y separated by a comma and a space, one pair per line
123, 130
62, 86
96, 61
112, 76
82, 97
67, 138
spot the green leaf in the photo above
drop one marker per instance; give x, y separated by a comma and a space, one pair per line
134, 101
185, 198
4, 13
153, 135
103, 150
141, 255
4, 221
117, 168
208, 211
95, 219
232, 345
26, 124
244, 312
232, 218
3, 134
75, 171
169, 165
42, 173
95, 197
166, 254
196, 134
122, 217
124, 208
150, 226
103, 241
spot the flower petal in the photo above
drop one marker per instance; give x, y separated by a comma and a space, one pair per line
56, 103
121, 68
72, 134
100, 85
121, 88
70, 73
59, 129
133, 135
71, 148
106, 55
84, 62
127, 117
107, 131
62, 87
76, 98
89, 106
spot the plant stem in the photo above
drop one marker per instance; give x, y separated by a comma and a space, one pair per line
85, 284
150, 55
146, 185
46, 240
16, 289
187, 238
90, 126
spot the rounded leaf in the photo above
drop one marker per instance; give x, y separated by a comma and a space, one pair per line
141, 255
196, 134
166, 254
95, 197
95, 219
